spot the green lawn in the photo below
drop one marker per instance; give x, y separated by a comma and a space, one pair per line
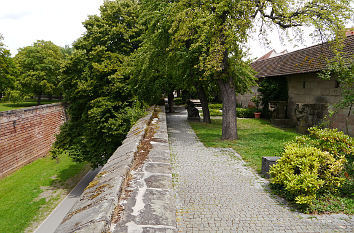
6, 106
20, 200
257, 138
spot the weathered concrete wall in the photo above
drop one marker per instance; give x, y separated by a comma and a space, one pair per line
99, 206
309, 89
27, 134
245, 99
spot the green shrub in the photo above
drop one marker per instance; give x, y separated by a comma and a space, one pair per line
179, 101
215, 112
241, 112
245, 112
332, 141
215, 106
303, 172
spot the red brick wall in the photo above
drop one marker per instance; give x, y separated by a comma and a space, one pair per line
27, 134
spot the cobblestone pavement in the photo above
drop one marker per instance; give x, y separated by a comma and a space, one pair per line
215, 192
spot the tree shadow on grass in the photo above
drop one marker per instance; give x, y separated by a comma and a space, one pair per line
70, 176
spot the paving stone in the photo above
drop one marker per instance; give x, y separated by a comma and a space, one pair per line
216, 192
163, 168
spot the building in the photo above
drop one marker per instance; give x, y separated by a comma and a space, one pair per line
309, 96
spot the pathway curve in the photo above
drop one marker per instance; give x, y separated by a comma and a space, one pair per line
215, 192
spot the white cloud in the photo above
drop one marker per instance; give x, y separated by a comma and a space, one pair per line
23, 22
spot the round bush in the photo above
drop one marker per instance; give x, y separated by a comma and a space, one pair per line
305, 171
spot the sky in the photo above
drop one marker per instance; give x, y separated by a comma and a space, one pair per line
22, 22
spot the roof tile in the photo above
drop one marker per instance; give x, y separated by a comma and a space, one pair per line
305, 60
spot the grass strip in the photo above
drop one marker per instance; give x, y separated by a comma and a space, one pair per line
257, 138
27, 192
7, 106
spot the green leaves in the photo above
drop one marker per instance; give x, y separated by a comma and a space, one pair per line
304, 172
313, 165
39, 67
8, 69
102, 106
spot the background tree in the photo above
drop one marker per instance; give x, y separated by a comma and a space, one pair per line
39, 68
220, 28
342, 70
8, 69
102, 106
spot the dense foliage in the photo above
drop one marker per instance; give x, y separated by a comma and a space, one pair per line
272, 89
342, 70
315, 165
303, 172
7, 69
102, 107
219, 29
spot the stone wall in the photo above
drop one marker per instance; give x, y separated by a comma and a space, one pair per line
99, 208
245, 99
309, 89
27, 134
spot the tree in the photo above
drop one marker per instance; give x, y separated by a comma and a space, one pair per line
7, 69
220, 29
158, 67
342, 70
101, 104
39, 67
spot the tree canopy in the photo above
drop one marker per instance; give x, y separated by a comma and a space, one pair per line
7, 68
221, 28
135, 51
39, 68
102, 107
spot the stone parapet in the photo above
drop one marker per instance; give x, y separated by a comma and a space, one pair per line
99, 206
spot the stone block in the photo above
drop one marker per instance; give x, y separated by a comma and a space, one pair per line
267, 162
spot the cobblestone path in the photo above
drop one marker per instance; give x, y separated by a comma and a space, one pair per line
215, 192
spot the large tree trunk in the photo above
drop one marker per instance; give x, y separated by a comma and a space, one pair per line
229, 121
204, 101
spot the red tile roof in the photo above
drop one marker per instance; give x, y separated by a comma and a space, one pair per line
270, 54
305, 60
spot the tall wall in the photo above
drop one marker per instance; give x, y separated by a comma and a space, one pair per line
27, 134
309, 89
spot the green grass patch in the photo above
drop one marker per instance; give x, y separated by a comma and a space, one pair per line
7, 106
257, 138
20, 200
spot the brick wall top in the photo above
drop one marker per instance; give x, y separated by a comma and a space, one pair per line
16, 114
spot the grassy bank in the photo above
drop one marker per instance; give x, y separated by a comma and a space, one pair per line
6, 106
257, 138
30, 193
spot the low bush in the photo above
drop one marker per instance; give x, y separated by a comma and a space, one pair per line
215, 106
316, 171
303, 172
245, 112
215, 112
179, 101
333, 141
